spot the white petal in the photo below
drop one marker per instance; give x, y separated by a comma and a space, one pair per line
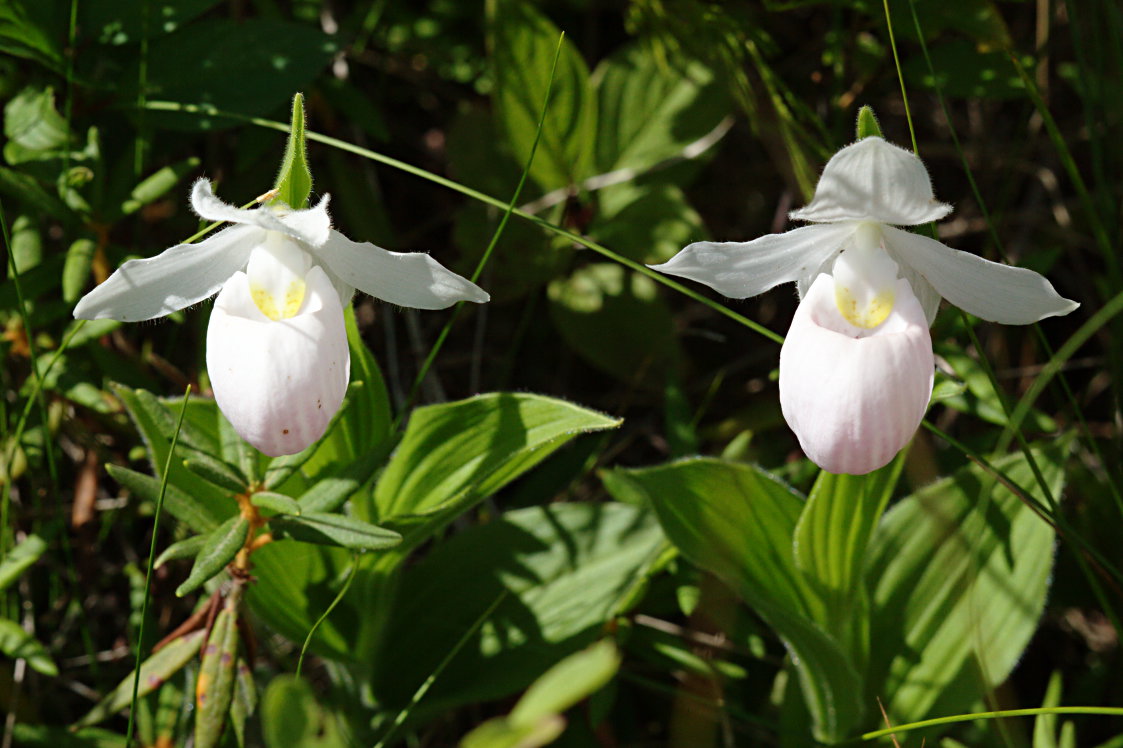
176, 278
743, 269
310, 226
927, 296
278, 382
855, 397
990, 290
412, 279
873, 180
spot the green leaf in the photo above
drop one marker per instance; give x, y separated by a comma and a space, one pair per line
27, 244
46, 736
294, 181
330, 493
455, 454
186, 548
500, 733
291, 717
523, 44
867, 123
222, 545
958, 583
649, 224
334, 529
738, 523
153, 672
980, 399
156, 422
32, 122
214, 689
156, 185
276, 502
17, 560
616, 320
367, 419
214, 470
244, 703
563, 571
180, 504
571, 680
22, 37
76, 271
17, 643
255, 65
829, 548
650, 111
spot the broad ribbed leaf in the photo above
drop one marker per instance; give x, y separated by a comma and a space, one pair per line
220, 548
958, 583
650, 111
455, 454
153, 672
737, 522
560, 572
523, 44
830, 544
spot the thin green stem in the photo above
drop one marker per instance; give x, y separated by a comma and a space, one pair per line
48, 443
886, 732
151, 557
423, 689
900, 76
172, 106
327, 612
424, 371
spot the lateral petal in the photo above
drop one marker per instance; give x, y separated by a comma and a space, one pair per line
278, 382
873, 180
310, 226
743, 269
176, 278
989, 290
412, 279
855, 397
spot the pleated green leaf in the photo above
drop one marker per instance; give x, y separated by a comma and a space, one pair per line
737, 522
523, 44
456, 454
958, 582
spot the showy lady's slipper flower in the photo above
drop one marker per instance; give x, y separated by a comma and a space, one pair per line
856, 368
276, 344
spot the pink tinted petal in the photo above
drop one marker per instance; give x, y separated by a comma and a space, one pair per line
278, 382
855, 397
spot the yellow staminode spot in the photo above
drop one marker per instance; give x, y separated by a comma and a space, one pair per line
275, 272
868, 314
290, 301
865, 280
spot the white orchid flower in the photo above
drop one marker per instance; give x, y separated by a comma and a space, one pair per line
276, 344
856, 368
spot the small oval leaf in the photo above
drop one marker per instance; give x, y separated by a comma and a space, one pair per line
276, 502
221, 546
336, 530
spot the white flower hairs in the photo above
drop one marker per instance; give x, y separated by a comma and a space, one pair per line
856, 368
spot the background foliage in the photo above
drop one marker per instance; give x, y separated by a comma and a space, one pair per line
752, 601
